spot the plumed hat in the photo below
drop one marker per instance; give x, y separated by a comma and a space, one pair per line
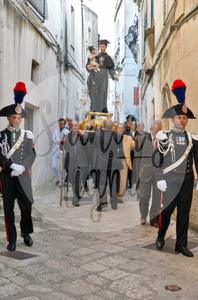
13, 109
178, 89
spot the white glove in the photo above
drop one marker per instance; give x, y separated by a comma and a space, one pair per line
14, 173
20, 169
197, 187
162, 186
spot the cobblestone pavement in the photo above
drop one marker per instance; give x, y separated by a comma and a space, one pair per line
79, 253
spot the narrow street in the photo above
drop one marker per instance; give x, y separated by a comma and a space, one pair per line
79, 253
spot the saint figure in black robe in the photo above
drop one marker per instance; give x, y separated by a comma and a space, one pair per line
98, 81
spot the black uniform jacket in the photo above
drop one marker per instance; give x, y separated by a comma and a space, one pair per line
24, 155
180, 141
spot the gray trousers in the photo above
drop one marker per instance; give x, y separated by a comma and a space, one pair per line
145, 196
113, 178
76, 175
56, 157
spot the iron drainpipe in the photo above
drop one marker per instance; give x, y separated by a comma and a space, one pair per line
1, 55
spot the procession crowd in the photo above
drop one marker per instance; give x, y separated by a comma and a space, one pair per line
159, 164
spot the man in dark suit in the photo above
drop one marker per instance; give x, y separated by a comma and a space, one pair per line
145, 146
141, 131
132, 173
107, 163
69, 123
76, 163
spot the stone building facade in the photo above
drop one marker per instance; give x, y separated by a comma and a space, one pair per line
168, 52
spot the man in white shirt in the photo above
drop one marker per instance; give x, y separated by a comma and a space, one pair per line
56, 152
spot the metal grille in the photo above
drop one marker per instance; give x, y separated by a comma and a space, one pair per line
18, 255
39, 7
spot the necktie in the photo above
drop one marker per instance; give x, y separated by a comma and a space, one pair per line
74, 143
153, 141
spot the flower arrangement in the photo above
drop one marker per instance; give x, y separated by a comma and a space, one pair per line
132, 36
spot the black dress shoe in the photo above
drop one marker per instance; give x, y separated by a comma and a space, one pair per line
120, 201
105, 110
11, 246
155, 224
160, 242
100, 207
184, 250
114, 208
76, 204
129, 186
27, 239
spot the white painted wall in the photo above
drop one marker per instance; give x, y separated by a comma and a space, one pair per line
58, 89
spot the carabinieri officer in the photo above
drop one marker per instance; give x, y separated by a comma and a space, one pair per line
174, 173
17, 155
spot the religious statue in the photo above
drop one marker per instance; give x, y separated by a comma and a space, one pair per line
98, 81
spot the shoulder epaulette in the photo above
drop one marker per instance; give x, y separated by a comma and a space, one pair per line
195, 137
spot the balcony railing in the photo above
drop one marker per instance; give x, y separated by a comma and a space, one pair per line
39, 8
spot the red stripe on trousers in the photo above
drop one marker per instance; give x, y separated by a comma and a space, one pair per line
160, 213
6, 226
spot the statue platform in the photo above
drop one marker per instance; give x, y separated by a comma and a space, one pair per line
96, 122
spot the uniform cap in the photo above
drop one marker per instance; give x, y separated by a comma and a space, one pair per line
179, 90
13, 109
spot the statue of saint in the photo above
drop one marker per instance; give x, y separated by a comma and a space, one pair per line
98, 81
